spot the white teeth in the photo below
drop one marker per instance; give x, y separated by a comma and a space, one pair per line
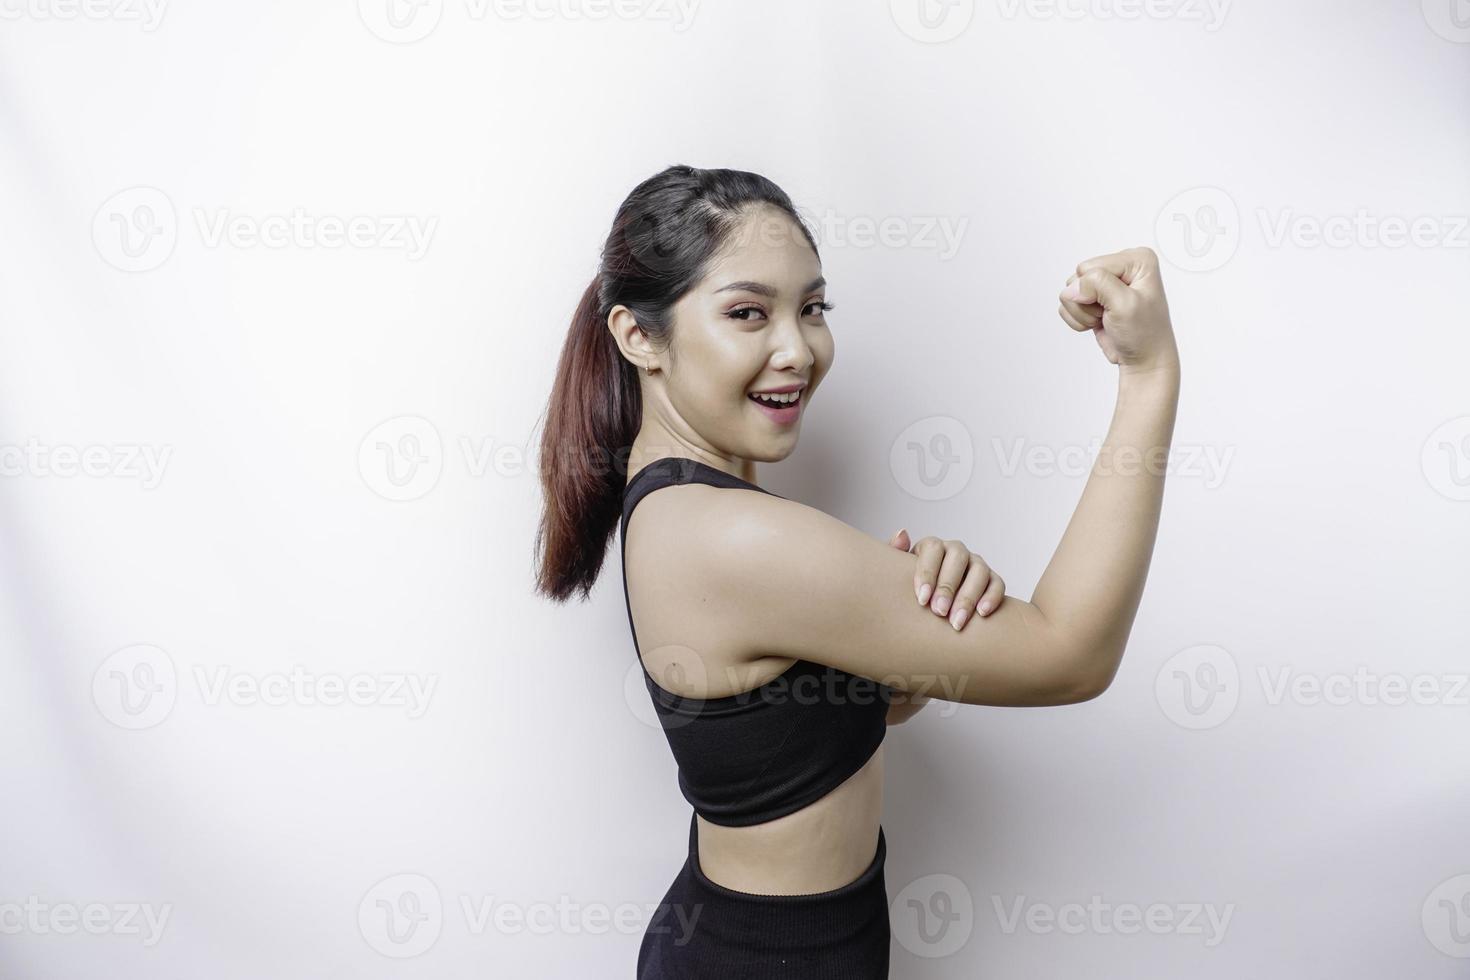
785, 399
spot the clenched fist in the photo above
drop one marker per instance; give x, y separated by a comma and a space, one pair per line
1120, 298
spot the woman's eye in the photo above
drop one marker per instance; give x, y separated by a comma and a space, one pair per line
739, 314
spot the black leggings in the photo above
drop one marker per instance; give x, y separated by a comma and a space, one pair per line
704, 930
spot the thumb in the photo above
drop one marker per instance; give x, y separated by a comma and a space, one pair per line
1098, 286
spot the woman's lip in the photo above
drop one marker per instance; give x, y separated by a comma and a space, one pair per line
786, 415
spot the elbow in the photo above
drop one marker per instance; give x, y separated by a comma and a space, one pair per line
1084, 690
1087, 676
1090, 679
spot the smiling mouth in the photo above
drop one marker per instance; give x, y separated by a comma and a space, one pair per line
768, 402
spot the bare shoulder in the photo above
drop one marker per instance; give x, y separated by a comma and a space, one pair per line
692, 646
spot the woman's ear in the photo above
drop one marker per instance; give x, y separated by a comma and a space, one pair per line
630, 337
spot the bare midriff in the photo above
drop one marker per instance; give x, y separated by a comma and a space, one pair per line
824, 845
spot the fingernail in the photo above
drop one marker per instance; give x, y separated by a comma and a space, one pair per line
983, 608
1073, 291
959, 617
941, 605
925, 591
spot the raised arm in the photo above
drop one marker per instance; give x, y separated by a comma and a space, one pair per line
795, 582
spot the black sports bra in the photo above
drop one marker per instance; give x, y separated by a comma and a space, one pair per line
756, 755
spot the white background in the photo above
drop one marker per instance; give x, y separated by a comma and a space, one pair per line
1324, 545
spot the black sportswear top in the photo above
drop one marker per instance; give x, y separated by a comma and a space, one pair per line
750, 757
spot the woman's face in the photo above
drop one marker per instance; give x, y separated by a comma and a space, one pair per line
755, 323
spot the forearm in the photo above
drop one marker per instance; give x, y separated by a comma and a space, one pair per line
1092, 587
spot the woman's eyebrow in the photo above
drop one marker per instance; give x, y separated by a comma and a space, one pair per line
761, 288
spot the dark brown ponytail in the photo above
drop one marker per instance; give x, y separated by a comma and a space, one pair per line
663, 237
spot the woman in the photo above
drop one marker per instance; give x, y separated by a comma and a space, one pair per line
777, 642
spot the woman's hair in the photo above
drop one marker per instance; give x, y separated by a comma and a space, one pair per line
664, 236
